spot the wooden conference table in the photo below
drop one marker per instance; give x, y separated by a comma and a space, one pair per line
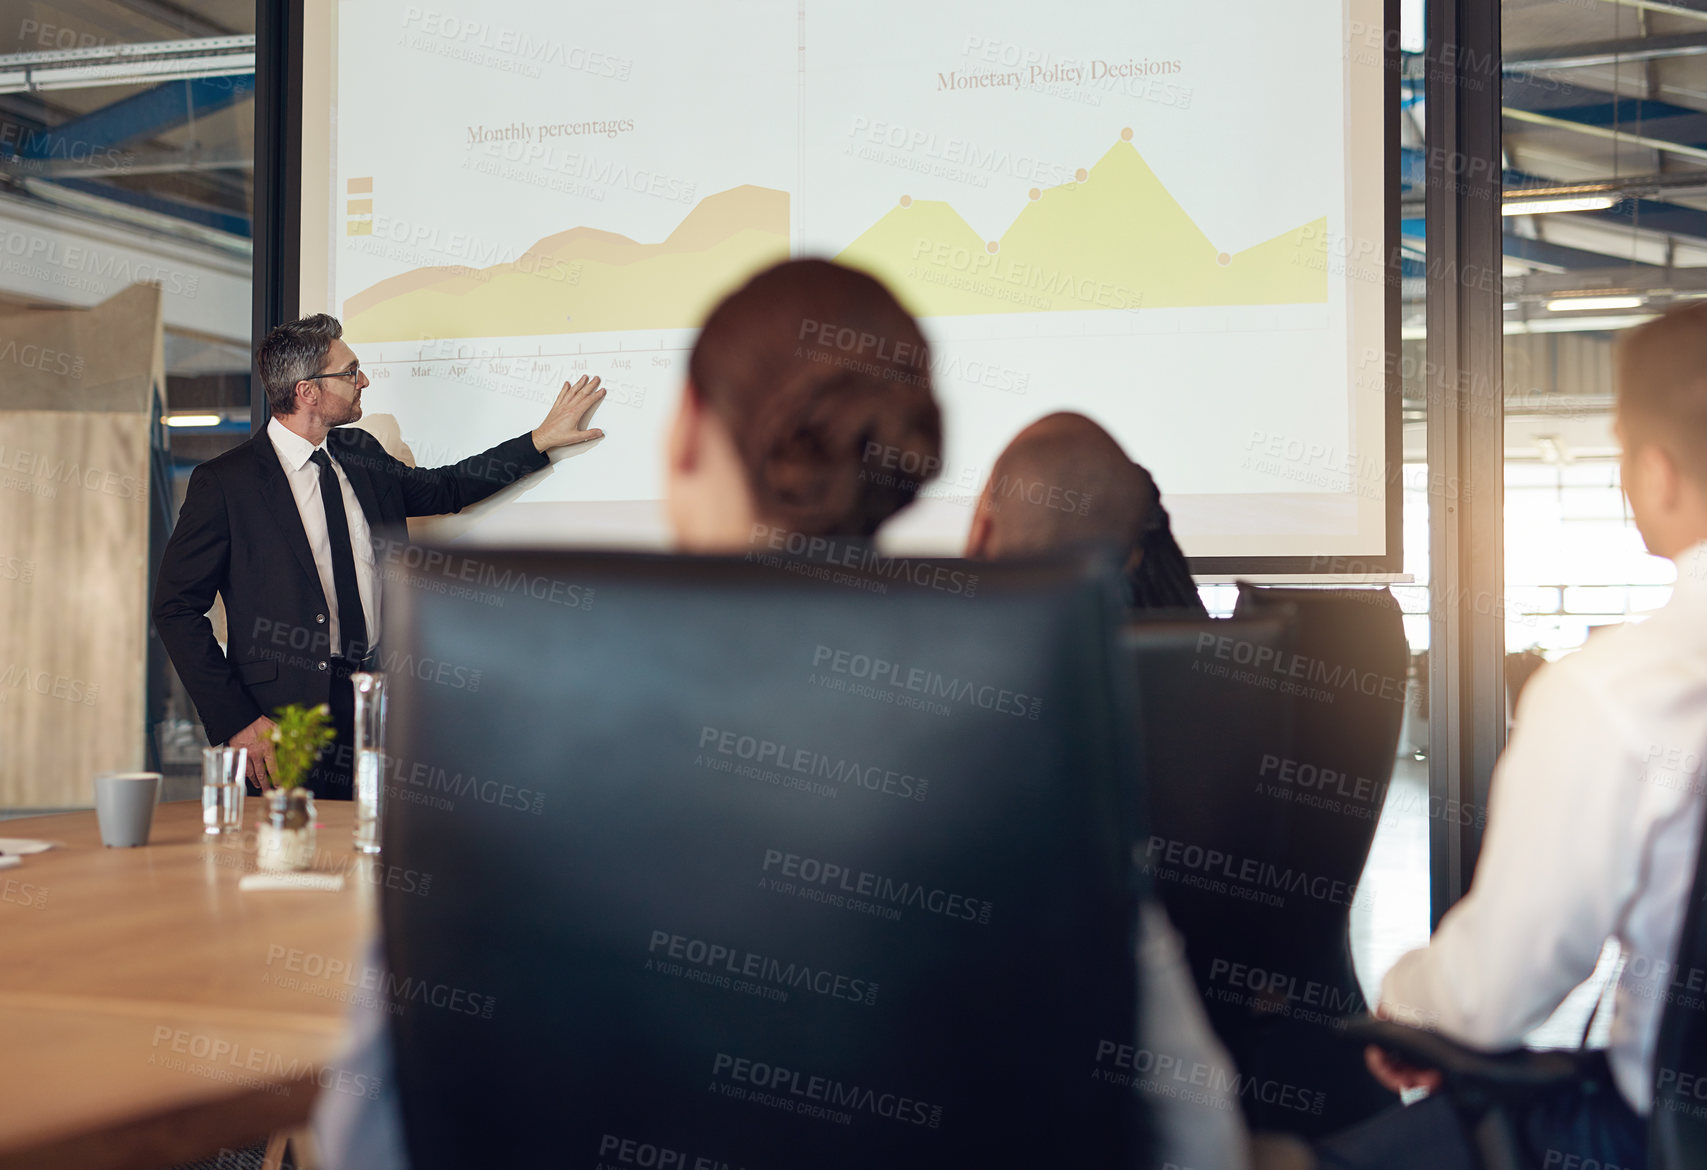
151, 1012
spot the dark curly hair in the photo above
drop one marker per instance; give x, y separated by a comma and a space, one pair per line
824, 382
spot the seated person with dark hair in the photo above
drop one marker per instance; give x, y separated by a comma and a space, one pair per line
1064, 481
1592, 822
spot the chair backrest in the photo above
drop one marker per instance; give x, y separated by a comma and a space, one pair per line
1220, 769
1677, 1127
1347, 681
734, 866
1208, 718
1270, 742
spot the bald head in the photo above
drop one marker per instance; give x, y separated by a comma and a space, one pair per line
1062, 481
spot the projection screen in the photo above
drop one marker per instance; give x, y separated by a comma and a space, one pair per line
1179, 219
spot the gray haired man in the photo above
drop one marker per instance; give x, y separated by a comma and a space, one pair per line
283, 528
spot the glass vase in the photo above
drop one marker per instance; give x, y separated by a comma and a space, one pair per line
284, 842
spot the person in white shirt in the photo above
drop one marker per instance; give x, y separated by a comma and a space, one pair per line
1593, 817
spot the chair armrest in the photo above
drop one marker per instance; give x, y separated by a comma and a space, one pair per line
1514, 1071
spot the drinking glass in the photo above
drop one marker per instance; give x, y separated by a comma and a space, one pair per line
224, 773
370, 757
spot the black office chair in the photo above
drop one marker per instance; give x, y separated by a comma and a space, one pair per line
747, 867
1218, 719
1345, 682
1206, 724
1489, 1090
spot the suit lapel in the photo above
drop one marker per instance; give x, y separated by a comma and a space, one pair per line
275, 490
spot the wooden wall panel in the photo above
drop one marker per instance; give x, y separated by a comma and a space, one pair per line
74, 468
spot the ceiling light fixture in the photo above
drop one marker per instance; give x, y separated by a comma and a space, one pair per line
1572, 303
1547, 206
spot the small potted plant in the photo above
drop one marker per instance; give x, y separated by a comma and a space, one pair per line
285, 841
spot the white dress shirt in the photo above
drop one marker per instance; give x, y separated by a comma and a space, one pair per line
304, 478
1592, 831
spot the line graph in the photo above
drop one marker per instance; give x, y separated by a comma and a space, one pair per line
1112, 238
585, 280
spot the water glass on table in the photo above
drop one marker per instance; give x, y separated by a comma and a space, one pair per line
370, 757
224, 773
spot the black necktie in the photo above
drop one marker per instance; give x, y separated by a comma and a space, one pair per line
352, 623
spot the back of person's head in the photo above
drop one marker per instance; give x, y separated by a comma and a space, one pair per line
821, 381
1662, 424
1662, 385
1064, 481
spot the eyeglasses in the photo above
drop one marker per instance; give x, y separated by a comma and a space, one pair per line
354, 374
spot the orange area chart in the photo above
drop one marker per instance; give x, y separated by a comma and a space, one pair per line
1113, 238
585, 280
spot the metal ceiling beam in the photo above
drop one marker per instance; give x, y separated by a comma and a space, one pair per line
1673, 131
231, 223
1696, 9
130, 64
1600, 107
1535, 118
1621, 281
136, 162
1635, 187
136, 118
1559, 256
1609, 52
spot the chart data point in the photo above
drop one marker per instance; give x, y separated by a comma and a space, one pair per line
906, 201
991, 247
1126, 134
1081, 174
1223, 259
1035, 193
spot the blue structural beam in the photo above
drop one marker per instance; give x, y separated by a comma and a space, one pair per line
1654, 216
139, 117
226, 221
1659, 120
1413, 167
1595, 107
1647, 213
104, 133
1559, 256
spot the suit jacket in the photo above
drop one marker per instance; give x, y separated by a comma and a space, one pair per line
239, 535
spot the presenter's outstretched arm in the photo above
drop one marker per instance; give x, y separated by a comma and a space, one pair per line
435, 491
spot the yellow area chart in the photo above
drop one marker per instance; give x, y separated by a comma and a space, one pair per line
585, 280
1112, 239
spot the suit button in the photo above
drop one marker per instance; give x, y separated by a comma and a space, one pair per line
322, 666
321, 618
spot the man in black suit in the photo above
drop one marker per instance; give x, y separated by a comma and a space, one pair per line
284, 528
